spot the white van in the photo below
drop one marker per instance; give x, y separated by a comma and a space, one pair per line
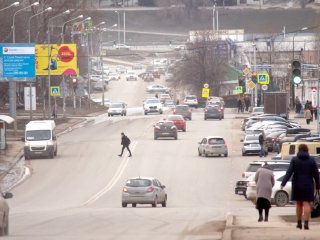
40, 139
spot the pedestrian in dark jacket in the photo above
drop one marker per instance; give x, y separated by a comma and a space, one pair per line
261, 142
125, 142
264, 179
305, 178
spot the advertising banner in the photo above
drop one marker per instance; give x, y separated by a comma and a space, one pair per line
62, 60
17, 60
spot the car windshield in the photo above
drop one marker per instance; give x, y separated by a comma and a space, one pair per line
38, 135
138, 183
260, 109
190, 98
252, 138
182, 108
116, 105
153, 101
175, 117
213, 141
253, 167
166, 124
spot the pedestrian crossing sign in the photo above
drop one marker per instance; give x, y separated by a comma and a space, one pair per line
239, 89
263, 78
55, 91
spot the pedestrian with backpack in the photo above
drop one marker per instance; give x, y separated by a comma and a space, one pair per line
125, 142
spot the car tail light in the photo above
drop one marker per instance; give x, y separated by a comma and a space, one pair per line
246, 144
219, 110
125, 189
151, 189
173, 127
206, 110
243, 175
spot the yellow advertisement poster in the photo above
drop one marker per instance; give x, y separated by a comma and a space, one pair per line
62, 60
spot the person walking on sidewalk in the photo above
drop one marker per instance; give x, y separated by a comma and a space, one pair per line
264, 179
305, 179
307, 115
261, 142
125, 142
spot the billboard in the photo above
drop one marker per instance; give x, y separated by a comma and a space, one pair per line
62, 60
236, 35
17, 60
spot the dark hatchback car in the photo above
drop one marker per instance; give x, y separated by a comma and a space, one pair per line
165, 129
213, 111
183, 110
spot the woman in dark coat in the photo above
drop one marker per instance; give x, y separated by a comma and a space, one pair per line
305, 179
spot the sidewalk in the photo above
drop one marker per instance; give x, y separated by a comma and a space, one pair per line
279, 226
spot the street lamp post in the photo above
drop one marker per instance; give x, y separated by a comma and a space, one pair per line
49, 59
29, 38
15, 4
12, 84
63, 77
124, 27
48, 9
118, 26
255, 70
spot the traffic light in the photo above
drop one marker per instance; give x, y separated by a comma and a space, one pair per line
242, 83
296, 72
254, 77
74, 84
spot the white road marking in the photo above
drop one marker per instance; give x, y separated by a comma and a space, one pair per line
114, 179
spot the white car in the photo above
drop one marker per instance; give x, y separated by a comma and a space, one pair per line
117, 109
212, 145
251, 145
279, 197
156, 88
191, 101
131, 76
152, 105
113, 76
122, 46
257, 111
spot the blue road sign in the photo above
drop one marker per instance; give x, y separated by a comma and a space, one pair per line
17, 60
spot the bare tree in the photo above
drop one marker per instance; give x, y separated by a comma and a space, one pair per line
203, 64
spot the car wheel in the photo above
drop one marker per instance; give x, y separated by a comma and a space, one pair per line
155, 202
160, 111
164, 203
52, 154
184, 129
26, 156
190, 118
205, 118
281, 198
108, 115
124, 205
145, 113
243, 153
56, 151
205, 154
125, 114
134, 204
155, 137
226, 154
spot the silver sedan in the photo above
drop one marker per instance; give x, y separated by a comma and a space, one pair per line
144, 190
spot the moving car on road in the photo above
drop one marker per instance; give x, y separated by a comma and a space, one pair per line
117, 109
131, 76
144, 190
157, 88
178, 121
152, 105
213, 111
191, 101
165, 128
183, 110
212, 145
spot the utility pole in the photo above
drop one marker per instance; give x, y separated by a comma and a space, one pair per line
255, 69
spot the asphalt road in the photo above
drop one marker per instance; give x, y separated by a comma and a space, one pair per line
77, 195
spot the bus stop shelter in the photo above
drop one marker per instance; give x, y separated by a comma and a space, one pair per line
3, 120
